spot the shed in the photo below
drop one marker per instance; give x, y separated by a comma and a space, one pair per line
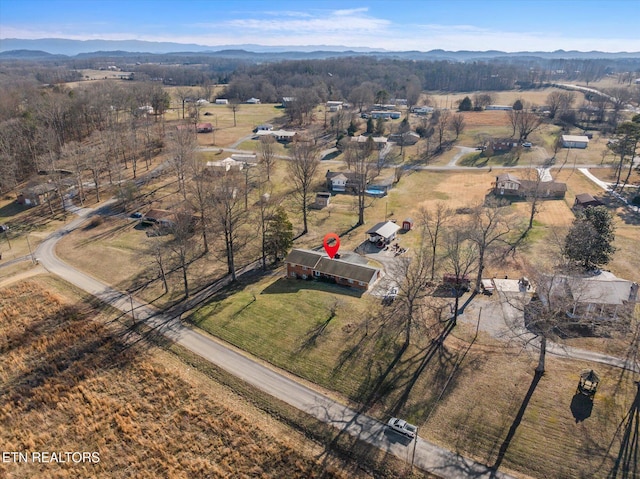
222, 101
384, 231
322, 200
407, 224
574, 141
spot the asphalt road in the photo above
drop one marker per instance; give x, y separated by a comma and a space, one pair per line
421, 453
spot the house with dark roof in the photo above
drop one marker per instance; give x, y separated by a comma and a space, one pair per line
37, 194
507, 184
585, 200
307, 264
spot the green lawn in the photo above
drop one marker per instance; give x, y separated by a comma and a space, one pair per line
302, 326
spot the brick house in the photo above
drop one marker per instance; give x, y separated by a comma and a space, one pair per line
307, 264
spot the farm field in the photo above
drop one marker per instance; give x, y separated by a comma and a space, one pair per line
133, 404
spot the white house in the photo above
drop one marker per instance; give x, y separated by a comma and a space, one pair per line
574, 141
253, 101
339, 182
499, 107
222, 101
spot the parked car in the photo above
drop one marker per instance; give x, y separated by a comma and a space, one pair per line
136, 215
403, 427
4, 228
527, 144
487, 287
391, 295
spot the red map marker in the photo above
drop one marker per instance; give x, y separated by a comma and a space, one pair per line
331, 249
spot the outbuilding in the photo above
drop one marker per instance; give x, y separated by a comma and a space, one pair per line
383, 232
575, 141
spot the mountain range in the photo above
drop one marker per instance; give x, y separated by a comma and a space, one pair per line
55, 47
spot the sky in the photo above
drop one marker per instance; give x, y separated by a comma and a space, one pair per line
400, 25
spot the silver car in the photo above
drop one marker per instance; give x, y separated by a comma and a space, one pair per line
403, 427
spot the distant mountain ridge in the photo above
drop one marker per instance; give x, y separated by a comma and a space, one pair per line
56, 47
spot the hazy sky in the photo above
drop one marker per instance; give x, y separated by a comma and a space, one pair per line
507, 25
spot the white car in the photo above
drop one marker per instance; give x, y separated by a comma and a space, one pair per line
403, 427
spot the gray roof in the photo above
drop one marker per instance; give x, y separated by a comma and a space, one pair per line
386, 229
343, 269
508, 177
603, 288
304, 257
333, 267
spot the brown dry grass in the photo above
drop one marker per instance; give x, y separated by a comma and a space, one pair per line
71, 383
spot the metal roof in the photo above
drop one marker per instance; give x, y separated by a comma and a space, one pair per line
386, 229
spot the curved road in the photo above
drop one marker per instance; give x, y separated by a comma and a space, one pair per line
421, 453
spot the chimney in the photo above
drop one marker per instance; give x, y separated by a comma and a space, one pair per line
633, 294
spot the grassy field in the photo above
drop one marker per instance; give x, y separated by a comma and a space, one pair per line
327, 336
71, 379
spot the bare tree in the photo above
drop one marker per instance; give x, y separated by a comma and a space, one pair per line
182, 146
559, 101
182, 244
432, 223
184, 95
158, 252
462, 257
266, 147
441, 126
234, 106
490, 227
75, 155
523, 122
457, 124
229, 215
266, 207
201, 188
365, 169
302, 168
481, 100
414, 280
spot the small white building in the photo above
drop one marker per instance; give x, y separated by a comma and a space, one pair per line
253, 101
222, 101
574, 141
385, 231
334, 105
279, 135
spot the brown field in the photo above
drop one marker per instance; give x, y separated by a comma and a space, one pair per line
72, 382
533, 97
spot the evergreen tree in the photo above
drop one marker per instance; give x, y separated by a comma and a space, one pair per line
465, 104
590, 240
279, 235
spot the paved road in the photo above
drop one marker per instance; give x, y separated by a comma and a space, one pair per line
423, 454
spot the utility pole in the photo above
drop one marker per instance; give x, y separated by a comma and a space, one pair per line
30, 250
133, 316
